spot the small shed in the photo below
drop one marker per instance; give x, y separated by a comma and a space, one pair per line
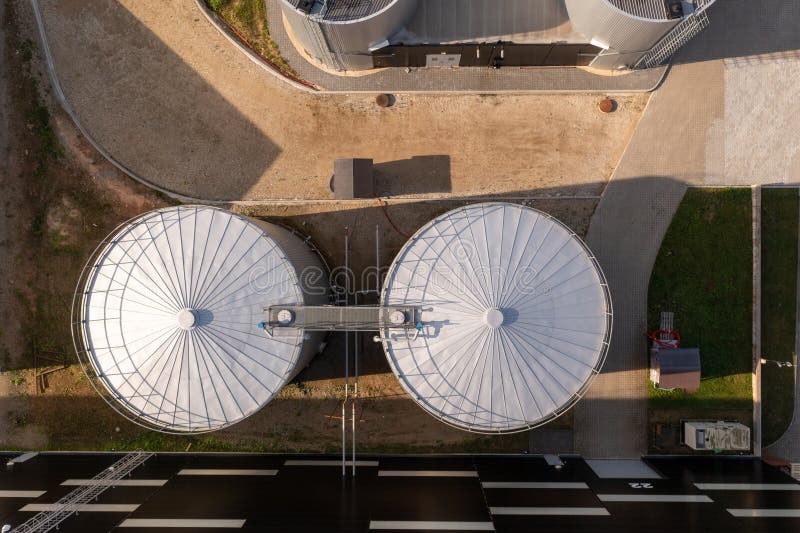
675, 368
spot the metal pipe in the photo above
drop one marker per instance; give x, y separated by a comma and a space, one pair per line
346, 350
344, 460
378, 259
353, 419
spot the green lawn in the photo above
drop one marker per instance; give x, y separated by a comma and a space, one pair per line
779, 226
704, 274
249, 19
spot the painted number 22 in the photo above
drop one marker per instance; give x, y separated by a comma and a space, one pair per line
641, 485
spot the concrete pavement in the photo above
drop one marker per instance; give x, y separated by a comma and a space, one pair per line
726, 115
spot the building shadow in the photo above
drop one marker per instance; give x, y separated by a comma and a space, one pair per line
221, 155
418, 175
742, 29
479, 20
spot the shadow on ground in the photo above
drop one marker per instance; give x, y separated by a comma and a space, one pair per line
190, 124
742, 29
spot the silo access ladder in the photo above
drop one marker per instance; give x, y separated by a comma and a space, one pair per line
71, 503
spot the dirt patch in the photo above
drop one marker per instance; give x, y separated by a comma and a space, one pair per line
56, 208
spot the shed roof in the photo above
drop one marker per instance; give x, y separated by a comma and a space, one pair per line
679, 368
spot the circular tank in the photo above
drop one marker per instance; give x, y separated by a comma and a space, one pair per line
622, 26
340, 34
166, 316
515, 317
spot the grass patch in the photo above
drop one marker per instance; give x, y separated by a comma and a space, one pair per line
704, 274
779, 229
249, 19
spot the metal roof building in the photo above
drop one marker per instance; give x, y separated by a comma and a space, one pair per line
165, 316
515, 317
347, 35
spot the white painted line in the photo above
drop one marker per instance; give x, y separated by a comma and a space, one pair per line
675, 498
225, 472
395, 525
427, 473
22, 458
549, 511
85, 507
533, 485
193, 523
323, 462
114, 482
765, 513
21, 493
748, 486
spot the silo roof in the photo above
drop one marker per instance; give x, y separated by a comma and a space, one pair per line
516, 317
345, 10
169, 315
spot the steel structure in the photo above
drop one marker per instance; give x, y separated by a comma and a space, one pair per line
70, 504
166, 313
516, 317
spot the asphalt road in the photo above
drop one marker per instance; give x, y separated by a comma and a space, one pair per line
401, 493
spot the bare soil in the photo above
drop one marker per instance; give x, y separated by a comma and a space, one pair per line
161, 89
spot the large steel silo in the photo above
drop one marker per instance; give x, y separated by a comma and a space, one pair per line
629, 29
340, 33
166, 314
514, 320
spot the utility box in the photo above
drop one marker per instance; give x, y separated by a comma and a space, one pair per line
353, 178
716, 435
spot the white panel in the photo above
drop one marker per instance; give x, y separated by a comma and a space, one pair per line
549, 511
115, 482
428, 525
185, 523
225, 472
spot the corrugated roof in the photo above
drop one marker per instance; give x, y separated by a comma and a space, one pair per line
344, 10
649, 9
516, 317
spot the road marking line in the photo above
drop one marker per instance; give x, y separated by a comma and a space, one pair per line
765, 513
427, 473
114, 482
323, 462
22, 458
550, 511
410, 525
747, 486
225, 472
84, 507
195, 523
21, 493
533, 485
676, 498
